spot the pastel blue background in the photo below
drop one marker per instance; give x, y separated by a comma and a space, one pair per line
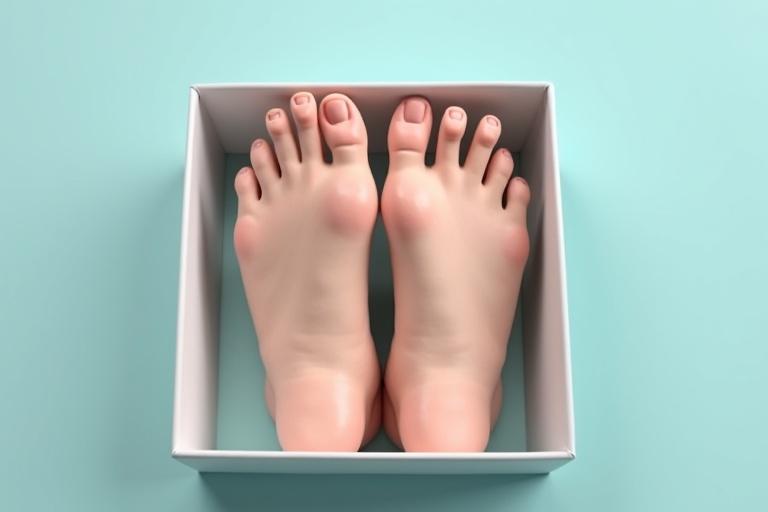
662, 111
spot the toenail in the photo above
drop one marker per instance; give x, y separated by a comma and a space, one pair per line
521, 180
336, 111
506, 152
301, 99
257, 143
456, 114
273, 115
492, 120
415, 110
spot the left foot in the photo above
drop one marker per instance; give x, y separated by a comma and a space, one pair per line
457, 261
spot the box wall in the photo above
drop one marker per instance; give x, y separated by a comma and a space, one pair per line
238, 110
199, 286
544, 301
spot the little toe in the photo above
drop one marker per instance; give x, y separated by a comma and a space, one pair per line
247, 189
452, 129
409, 133
486, 134
518, 197
285, 145
343, 129
264, 166
498, 173
304, 110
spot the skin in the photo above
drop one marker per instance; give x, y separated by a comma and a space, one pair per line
302, 239
458, 259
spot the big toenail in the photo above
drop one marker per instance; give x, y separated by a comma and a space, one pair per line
273, 115
336, 111
492, 121
301, 99
456, 114
415, 110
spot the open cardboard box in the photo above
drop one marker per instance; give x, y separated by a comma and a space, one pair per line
223, 120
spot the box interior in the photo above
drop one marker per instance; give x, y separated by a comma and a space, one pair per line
219, 404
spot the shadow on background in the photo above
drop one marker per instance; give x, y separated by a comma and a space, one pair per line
135, 333
369, 492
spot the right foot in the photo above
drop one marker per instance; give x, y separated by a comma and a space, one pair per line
302, 239
457, 261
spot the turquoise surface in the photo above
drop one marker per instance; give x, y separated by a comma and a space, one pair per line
662, 112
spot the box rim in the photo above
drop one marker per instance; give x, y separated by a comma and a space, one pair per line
421, 456
563, 271
386, 85
196, 98
194, 102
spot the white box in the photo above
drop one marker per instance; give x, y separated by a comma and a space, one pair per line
224, 119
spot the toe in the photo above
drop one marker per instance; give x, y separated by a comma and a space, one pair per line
498, 173
518, 197
264, 166
409, 133
247, 189
343, 129
304, 110
449, 138
285, 146
486, 135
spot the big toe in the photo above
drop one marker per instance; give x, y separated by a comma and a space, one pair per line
343, 129
409, 132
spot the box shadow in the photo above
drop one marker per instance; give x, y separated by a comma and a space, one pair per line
231, 491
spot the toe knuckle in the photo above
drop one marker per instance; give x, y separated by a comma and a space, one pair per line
351, 205
305, 119
521, 190
278, 128
517, 244
240, 182
488, 139
453, 131
246, 237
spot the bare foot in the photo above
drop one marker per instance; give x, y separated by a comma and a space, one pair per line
302, 239
457, 260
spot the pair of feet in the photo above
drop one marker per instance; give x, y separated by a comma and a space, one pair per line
458, 249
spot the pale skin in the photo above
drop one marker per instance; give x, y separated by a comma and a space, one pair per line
302, 239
